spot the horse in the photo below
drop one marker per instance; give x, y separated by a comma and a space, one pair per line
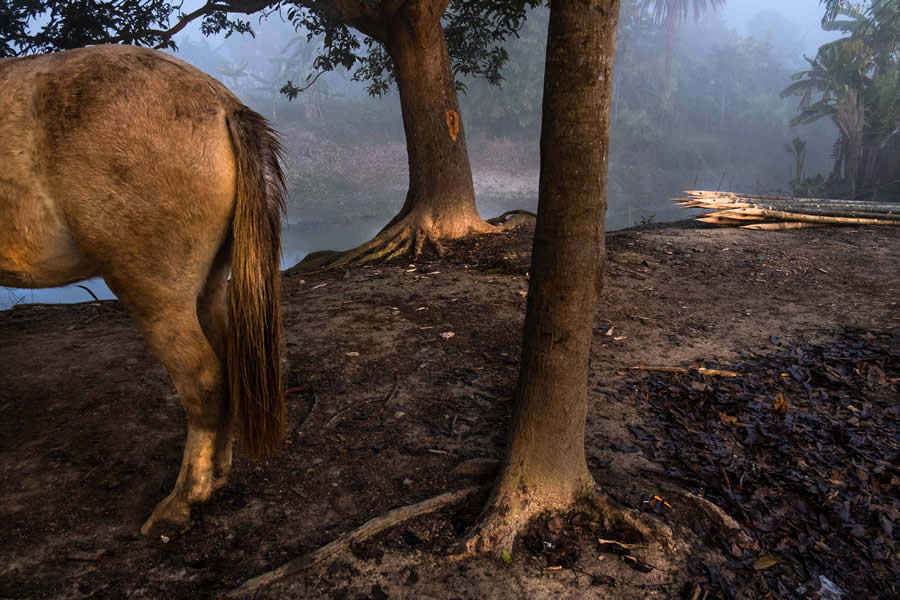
129, 164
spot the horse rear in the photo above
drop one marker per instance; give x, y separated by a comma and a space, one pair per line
129, 164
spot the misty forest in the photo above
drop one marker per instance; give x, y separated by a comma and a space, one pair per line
271, 225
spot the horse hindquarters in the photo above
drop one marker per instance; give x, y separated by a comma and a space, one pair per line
161, 178
250, 345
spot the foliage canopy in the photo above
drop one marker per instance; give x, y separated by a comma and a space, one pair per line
475, 31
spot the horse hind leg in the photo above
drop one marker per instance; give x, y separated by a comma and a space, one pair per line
178, 340
212, 311
171, 325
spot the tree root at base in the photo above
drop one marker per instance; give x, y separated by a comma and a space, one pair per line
401, 238
501, 525
512, 219
394, 241
627, 522
345, 542
717, 517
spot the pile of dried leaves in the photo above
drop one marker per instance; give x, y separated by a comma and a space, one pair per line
802, 448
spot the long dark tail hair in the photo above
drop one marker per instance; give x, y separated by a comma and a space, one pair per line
254, 338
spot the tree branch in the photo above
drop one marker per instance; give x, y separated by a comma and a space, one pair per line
246, 7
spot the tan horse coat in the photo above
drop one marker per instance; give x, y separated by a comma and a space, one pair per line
129, 164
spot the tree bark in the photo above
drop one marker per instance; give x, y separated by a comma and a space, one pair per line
440, 202
545, 466
441, 199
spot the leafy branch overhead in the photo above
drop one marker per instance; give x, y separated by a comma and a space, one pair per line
475, 32
74, 24
353, 33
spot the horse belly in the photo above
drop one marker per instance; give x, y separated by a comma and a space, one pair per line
37, 249
38, 253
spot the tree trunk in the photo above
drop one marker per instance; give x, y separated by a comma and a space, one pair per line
839, 151
671, 41
853, 160
440, 202
868, 166
545, 466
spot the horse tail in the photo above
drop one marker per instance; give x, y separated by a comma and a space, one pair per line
253, 359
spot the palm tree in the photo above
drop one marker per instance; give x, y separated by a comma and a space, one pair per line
797, 150
859, 78
839, 76
673, 12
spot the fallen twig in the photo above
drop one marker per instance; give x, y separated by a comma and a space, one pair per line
311, 409
88, 290
389, 397
346, 541
303, 387
701, 370
335, 416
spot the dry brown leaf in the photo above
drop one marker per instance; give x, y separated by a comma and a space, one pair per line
764, 562
727, 419
779, 404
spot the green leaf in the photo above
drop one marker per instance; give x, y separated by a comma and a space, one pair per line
506, 557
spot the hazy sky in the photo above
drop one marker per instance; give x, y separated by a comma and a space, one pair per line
806, 14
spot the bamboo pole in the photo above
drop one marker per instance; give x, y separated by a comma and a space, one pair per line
780, 225
804, 203
733, 215
720, 221
790, 216
730, 209
762, 211
770, 197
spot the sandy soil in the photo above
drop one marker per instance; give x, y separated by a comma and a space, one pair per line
91, 431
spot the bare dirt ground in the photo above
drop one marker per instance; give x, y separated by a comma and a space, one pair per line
383, 408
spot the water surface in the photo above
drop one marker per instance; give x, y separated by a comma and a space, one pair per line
304, 235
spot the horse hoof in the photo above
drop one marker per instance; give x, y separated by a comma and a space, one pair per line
170, 518
219, 482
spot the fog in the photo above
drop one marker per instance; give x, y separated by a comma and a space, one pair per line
717, 122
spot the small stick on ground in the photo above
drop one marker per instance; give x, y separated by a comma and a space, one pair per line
701, 370
335, 416
311, 409
88, 290
389, 397
303, 387
345, 542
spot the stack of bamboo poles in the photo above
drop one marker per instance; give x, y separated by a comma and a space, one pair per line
755, 211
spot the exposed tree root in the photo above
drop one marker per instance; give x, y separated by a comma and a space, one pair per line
627, 522
504, 521
348, 540
512, 219
396, 240
402, 237
717, 516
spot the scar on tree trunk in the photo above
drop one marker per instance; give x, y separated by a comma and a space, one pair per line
440, 203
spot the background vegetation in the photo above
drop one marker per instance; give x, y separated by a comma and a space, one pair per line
718, 121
